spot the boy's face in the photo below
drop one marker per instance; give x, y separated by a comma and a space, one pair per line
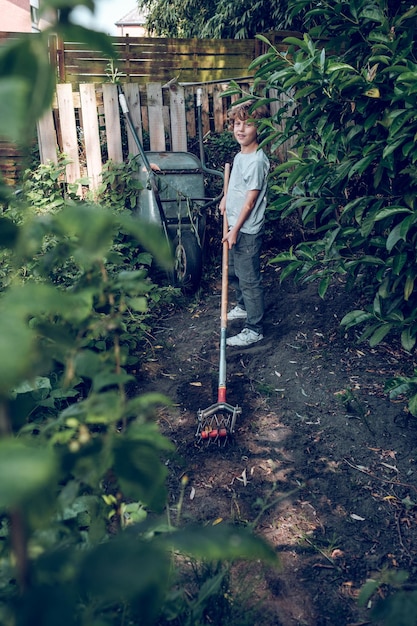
245, 133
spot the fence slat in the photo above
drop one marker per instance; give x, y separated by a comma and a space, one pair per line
190, 111
91, 134
112, 122
156, 120
178, 121
47, 138
68, 132
131, 91
218, 108
205, 120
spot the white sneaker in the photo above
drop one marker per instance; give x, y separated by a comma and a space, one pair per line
245, 338
237, 313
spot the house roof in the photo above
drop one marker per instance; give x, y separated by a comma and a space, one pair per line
133, 18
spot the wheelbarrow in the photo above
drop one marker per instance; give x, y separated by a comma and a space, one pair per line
173, 196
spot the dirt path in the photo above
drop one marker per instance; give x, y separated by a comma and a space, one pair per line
336, 481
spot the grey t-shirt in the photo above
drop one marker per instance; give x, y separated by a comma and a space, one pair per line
249, 172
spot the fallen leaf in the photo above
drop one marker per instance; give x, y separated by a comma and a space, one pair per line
196, 384
337, 554
391, 467
243, 479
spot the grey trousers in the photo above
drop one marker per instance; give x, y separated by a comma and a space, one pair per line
245, 277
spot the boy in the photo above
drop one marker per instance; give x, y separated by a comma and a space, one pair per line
245, 204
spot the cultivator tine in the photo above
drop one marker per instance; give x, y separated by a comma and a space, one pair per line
216, 423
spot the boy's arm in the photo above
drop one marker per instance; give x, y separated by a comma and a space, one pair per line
250, 201
222, 205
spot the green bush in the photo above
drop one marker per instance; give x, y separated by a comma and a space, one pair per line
349, 88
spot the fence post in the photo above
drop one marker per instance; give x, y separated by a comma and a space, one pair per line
132, 93
178, 121
156, 120
68, 132
91, 134
47, 142
112, 122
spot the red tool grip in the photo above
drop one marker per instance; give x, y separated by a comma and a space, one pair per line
212, 434
221, 396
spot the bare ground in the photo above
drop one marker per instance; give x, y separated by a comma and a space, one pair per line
330, 483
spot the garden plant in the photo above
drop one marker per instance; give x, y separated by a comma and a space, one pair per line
86, 532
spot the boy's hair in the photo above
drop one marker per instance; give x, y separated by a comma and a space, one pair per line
247, 110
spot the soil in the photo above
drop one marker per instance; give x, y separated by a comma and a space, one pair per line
321, 458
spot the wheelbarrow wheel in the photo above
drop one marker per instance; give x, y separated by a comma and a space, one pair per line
188, 261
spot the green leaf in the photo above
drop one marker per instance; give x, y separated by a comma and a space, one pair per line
373, 14
361, 165
151, 237
392, 146
24, 472
8, 229
408, 287
138, 304
379, 334
17, 341
221, 542
26, 85
139, 468
104, 379
400, 260
408, 339
291, 268
408, 15
13, 97
356, 317
412, 405
394, 237
95, 39
390, 211
127, 569
323, 286
336, 66
40, 382
299, 43
367, 590
399, 609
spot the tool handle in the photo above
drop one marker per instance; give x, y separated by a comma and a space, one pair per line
225, 254
225, 285
225, 187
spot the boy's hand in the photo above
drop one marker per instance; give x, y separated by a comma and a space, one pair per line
231, 237
222, 205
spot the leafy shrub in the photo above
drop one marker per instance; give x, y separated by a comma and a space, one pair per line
351, 174
349, 87
84, 539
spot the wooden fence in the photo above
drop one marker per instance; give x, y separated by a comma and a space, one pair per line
87, 124
85, 121
156, 59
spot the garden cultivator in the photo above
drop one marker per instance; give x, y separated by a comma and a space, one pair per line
217, 422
